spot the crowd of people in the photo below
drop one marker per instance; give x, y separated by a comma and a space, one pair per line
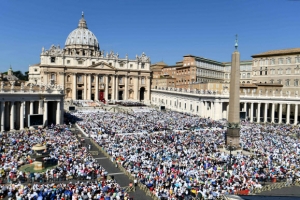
76, 175
180, 155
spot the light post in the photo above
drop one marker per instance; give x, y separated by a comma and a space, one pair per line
230, 155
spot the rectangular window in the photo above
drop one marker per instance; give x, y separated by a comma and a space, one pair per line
143, 66
52, 59
93, 63
131, 65
297, 59
280, 61
273, 62
79, 62
68, 61
121, 64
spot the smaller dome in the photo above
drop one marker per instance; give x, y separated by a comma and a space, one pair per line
82, 36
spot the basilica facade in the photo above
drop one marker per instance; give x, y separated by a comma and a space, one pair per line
87, 73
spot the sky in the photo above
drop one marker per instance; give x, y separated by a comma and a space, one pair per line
165, 30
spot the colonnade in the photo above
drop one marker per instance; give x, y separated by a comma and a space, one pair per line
255, 108
14, 114
274, 112
112, 86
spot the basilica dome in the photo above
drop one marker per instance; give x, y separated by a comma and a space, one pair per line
82, 36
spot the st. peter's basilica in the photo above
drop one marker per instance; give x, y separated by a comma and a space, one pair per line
87, 73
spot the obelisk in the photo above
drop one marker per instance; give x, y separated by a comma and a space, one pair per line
233, 127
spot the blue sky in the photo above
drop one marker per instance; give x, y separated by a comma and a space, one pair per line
164, 29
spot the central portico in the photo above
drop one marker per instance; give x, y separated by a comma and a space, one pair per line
87, 73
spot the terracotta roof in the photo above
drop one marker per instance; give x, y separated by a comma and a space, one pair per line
278, 52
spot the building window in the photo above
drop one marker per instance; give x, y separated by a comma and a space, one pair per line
143, 66
93, 63
272, 71
296, 82
248, 75
131, 65
287, 82
288, 71
273, 62
79, 62
92, 79
280, 71
52, 76
52, 59
297, 70
288, 61
120, 80
35, 69
297, 59
143, 80
261, 62
68, 61
244, 75
266, 62
271, 81
280, 61
80, 78
121, 64
266, 71
279, 81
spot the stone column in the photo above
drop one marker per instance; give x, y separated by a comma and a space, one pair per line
273, 113
41, 106
12, 115
2, 115
245, 107
58, 113
31, 107
266, 113
148, 86
22, 115
113, 87
45, 113
258, 113
227, 110
84, 87
97, 87
251, 112
136, 88
280, 113
106, 88
296, 114
74, 90
62, 79
126, 88
288, 112
217, 109
117, 88
89, 86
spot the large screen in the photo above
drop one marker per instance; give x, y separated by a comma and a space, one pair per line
71, 108
36, 120
242, 115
